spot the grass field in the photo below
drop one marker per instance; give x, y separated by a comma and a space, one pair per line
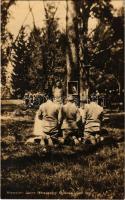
86, 172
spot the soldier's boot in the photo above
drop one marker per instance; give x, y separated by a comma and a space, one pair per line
93, 140
42, 142
50, 142
61, 140
97, 138
76, 141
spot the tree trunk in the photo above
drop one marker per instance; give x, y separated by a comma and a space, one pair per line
75, 57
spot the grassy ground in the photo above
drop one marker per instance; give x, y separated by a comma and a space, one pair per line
86, 172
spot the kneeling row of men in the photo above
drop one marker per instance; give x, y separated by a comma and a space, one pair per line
53, 117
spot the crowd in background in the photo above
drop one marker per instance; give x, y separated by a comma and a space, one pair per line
108, 99
32, 99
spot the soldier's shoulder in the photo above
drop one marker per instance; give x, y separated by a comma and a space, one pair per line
86, 106
58, 106
64, 106
42, 105
100, 108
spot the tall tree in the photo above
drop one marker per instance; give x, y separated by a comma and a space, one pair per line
92, 48
54, 56
35, 56
106, 48
116, 64
6, 37
20, 64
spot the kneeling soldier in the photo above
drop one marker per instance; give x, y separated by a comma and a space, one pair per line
92, 117
46, 122
69, 116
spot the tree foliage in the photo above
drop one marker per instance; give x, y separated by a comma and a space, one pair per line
20, 64
6, 37
53, 51
104, 44
35, 60
40, 58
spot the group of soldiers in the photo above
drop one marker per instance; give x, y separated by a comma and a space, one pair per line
32, 99
55, 121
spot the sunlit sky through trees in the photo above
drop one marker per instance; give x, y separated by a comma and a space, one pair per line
20, 10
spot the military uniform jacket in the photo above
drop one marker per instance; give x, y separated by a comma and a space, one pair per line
91, 117
69, 116
47, 117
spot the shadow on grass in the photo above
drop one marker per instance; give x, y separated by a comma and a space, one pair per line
60, 154
117, 121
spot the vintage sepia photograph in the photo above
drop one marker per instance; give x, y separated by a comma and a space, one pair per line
62, 99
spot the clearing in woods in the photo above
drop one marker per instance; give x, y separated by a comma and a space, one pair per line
87, 172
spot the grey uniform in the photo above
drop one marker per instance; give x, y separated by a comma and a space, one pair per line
69, 115
46, 121
91, 117
48, 113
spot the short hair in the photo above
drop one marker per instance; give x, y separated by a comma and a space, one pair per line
85, 100
70, 98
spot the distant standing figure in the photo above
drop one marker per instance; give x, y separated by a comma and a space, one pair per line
92, 117
30, 100
57, 92
26, 98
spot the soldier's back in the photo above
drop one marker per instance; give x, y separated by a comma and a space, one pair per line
70, 110
50, 110
94, 110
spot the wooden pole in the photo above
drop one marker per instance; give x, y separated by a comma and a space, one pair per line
68, 69
71, 55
